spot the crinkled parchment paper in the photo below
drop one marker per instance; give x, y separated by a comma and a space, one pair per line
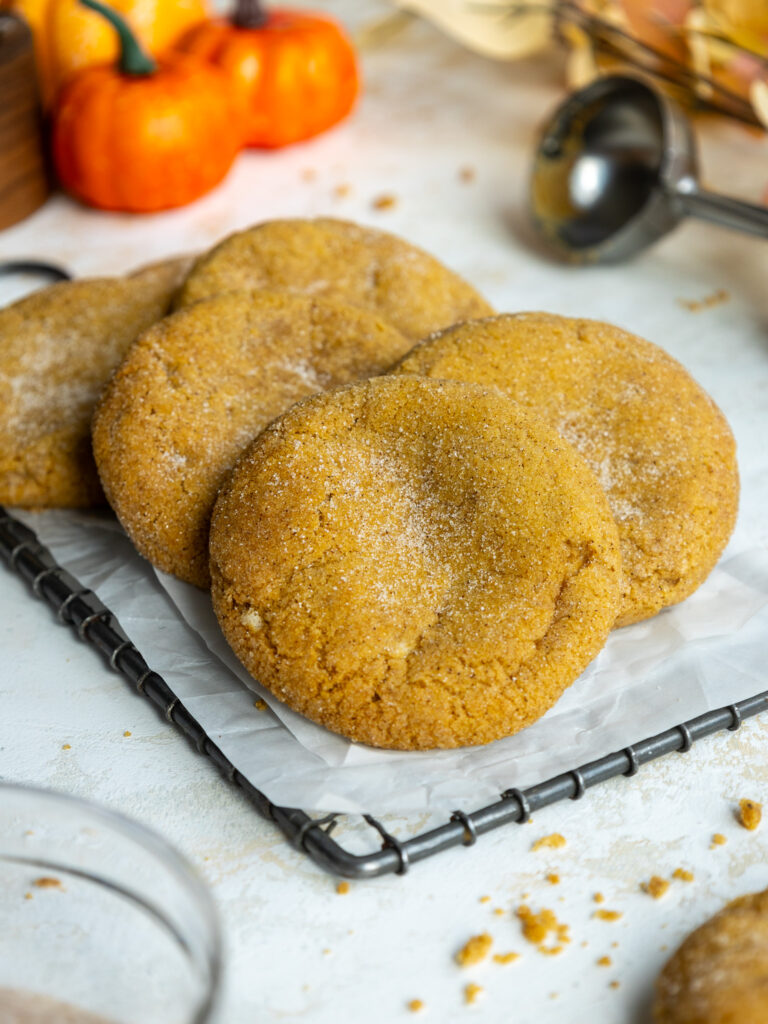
707, 652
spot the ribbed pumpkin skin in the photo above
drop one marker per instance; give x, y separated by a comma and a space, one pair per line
296, 74
142, 143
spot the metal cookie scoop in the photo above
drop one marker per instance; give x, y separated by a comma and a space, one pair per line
616, 169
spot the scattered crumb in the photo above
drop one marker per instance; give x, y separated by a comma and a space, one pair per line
384, 202
28, 896
342, 191
664, 948
584, 944
475, 950
308, 174
708, 302
554, 995
682, 875
498, 911
505, 958
614, 984
467, 175
66, 746
29, 832
327, 952
415, 1005
342, 888
750, 814
471, 992
485, 899
47, 882
655, 886
598, 897
614, 945
260, 704
553, 878
607, 915
555, 841
718, 839
127, 733
538, 927
604, 961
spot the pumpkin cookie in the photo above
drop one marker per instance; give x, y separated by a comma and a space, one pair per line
720, 972
658, 444
58, 347
414, 563
196, 389
339, 260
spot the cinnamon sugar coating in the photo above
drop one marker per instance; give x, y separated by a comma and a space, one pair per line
196, 389
660, 447
339, 260
413, 563
719, 974
58, 347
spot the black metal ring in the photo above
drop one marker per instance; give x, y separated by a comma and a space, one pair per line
36, 582
61, 611
142, 679
685, 732
735, 718
8, 267
81, 629
117, 652
470, 829
579, 786
15, 552
169, 709
400, 850
634, 764
525, 807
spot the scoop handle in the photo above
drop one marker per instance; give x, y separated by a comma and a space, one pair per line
722, 210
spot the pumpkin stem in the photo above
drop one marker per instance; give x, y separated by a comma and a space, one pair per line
133, 60
248, 14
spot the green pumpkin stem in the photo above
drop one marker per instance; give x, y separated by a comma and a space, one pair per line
248, 14
133, 60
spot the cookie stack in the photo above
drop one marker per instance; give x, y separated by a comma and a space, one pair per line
415, 545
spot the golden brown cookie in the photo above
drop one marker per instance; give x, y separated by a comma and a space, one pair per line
339, 260
196, 389
414, 563
719, 975
658, 444
58, 347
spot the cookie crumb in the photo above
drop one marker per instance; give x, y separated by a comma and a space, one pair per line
718, 839
47, 882
386, 201
260, 704
415, 1005
750, 814
342, 191
607, 915
471, 992
327, 952
598, 897
614, 984
538, 927
127, 733
308, 174
474, 950
553, 878
66, 746
682, 875
505, 958
555, 841
342, 888
604, 961
485, 899
467, 175
655, 886
498, 911
708, 302
28, 896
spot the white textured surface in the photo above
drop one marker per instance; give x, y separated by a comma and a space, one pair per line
429, 110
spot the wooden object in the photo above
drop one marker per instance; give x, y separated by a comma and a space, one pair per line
23, 180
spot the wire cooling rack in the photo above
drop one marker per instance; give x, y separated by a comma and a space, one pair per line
81, 610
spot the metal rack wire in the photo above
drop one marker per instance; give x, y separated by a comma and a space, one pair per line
81, 610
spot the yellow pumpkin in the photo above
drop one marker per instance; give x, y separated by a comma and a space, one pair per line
68, 36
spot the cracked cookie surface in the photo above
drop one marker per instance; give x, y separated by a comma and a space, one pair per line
197, 387
413, 563
340, 260
661, 449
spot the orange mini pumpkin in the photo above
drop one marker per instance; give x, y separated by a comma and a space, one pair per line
296, 72
144, 136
